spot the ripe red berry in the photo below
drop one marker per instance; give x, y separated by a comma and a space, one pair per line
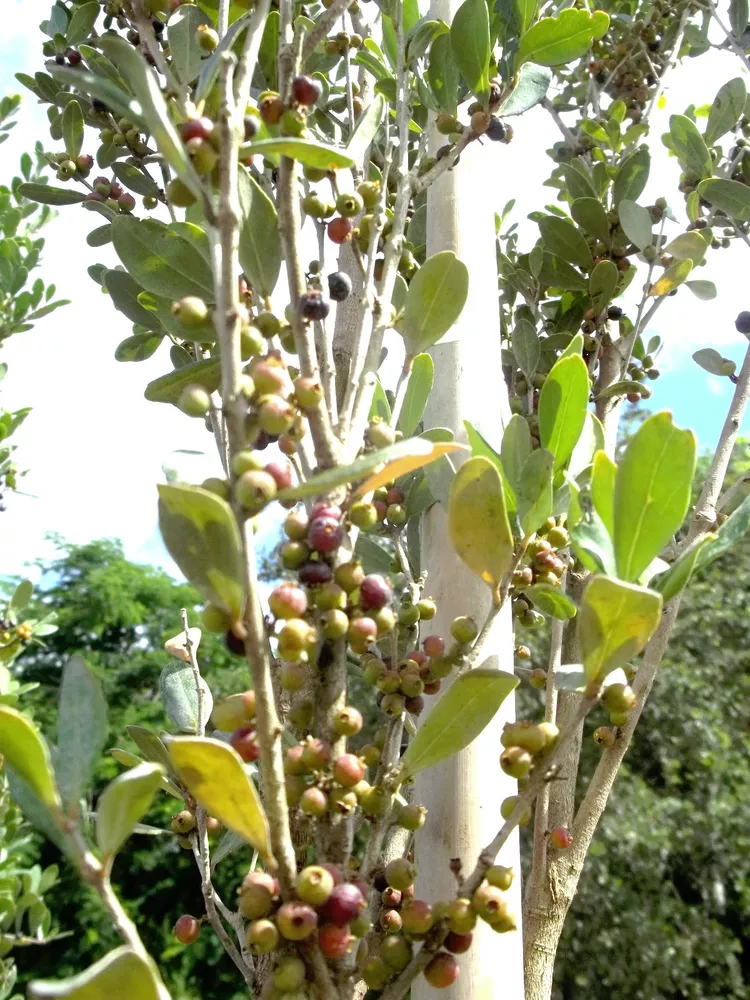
344, 905
340, 229
187, 929
326, 510
306, 90
374, 592
287, 601
458, 943
296, 921
390, 921
434, 645
561, 838
442, 971
348, 770
197, 128
334, 941
316, 753
325, 534
281, 472
245, 743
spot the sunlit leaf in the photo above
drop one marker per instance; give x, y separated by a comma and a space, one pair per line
436, 298
121, 973
23, 747
615, 621
563, 402
123, 803
478, 520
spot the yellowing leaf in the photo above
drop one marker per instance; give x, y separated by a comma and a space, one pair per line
177, 646
409, 463
23, 747
615, 621
672, 277
121, 973
478, 521
214, 774
662, 102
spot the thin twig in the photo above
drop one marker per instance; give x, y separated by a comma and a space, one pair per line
222, 18
249, 58
401, 386
200, 725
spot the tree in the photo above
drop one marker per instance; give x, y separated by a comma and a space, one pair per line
539, 512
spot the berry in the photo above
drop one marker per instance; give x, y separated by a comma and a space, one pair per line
507, 807
524, 734
256, 895
334, 941
281, 472
313, 204
411, 817
347, 722
361, 633
349, 576
605, 736
464, 630
417, 918
340, 229
194, 401
316, 753
339, 286
314, 573
376, 973
395, 514
561, 838
289, 974
295, 639
183, 822
326, 510
434, 646
187, 929
197, 128
375, 801
262, 937
335, 625
496, 130
348, 770
312, 306
207, 38
215, 619
500, 877
515, 762
325, 535
349, 205
742, 323
618, 698
296, 921
275, 415
294, 554
374, 592
295, 525
253, 490
427, 609
246, 744
396, 951
287, 601
489, 903
233, 643
245, 461
400, 874
457, 944
393, 705
461, 916
442, 971
306, 90
314, 885
345, 904
538, 679
179, 194
390, 898
293, 676
270, 108
308, 392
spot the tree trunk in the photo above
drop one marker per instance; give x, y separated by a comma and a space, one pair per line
463, 795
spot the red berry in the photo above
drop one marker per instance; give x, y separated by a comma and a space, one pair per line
187, 929
348, 770
335, 872
344, 905
391, 897
256, 895
115, 190
340, 229
374, 592
316, 753
362, 632
197, 128
561, 838
245, 743
281, 472
306, 90
442, 971
326, 510
434, 645
395, 495
287, 601
417, 918
458, 943
296, 921
334, 941
325, 534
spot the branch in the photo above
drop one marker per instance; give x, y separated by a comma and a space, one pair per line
249, 58
564, 130
323, 25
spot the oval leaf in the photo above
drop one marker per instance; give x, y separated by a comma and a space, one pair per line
409, 463
182, 33
562, 407
201, 535
23, 747
367, 128
711, 361
123, 803
437, 295
478, 521
178, 693
46, 195
564, 240
307, 151
689, 146
531, 89
134, 179
81, 730
534, 490
636, 223
121, 973
726, 110
417, 393
526, 347
162, 258
731, 197
552, 601
81, 22
72, 128
615, 621
603, 284
603, 477
632, 176
672, 278
558, 273
260, 243
590, 215
461, 714
470, 43
214, 774
553, 41
20, 598
167, 388
124, 292
138, 347
652, 492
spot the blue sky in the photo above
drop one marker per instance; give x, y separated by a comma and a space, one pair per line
95, 447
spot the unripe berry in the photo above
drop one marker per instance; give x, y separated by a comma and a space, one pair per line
417, 918
370, 754
362, 632
183, 822
515, 762
294, 554
287, 601
508, 805
334, 623
363, 516
296, 921
488, 903
523, 652
400, 874
464, 630
262, 937
561, 838
396, 515
294, 761
207, 38
341, 802
461, 916
408, 615
316, 753
393, 705
295, 525
434, 646
233, 712
524, 734
618, 698
191, 311
550, 732
605, 736
348, 205
296, 639
390, 921
376, 801
347, 722
558, 538
274, 414
427, 609
376, 973
256, 895
293, 676
500, 877
187, 929
396, 952
442, 971
348, 770
289, 974
334, 941
308, 392
538, 679
253, 490
314, 885
345, 904
194, 401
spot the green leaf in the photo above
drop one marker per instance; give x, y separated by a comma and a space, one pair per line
526, 347
308, 151
704, 290
552, 601
478, 521
603, 284
139, 347
46, 195
201, 535
672, 278
681, 571
260, 243
711, 361
100, 236
81, 731
214, 775
514, 451
557, 273
24, 748
20, 598
116, 99
269, 49
443, 75
367, 128
461, 714
686, 245
689, 146
726, 110
590, 215
534, 490
728, 535
652, 492
564, 240
182, 29
437, 295
603, 478
470, 43
121, 973
380, 407
161, 259
482, 448
124, 292
563, 402
36, 812
72, 128
134, 179
123, 803
553, 41
531, 89
615, 621
82, 21
150, 745
145, 85
593, 546
738, 17
636, 223
578, 181
632, 176
178, 692
167, 388
731, 197
210, 69
590, 440
417, 393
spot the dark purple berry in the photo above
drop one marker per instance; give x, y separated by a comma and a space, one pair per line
374, 592
306, 90
312, 574
495, 130
339, 286
313, 306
